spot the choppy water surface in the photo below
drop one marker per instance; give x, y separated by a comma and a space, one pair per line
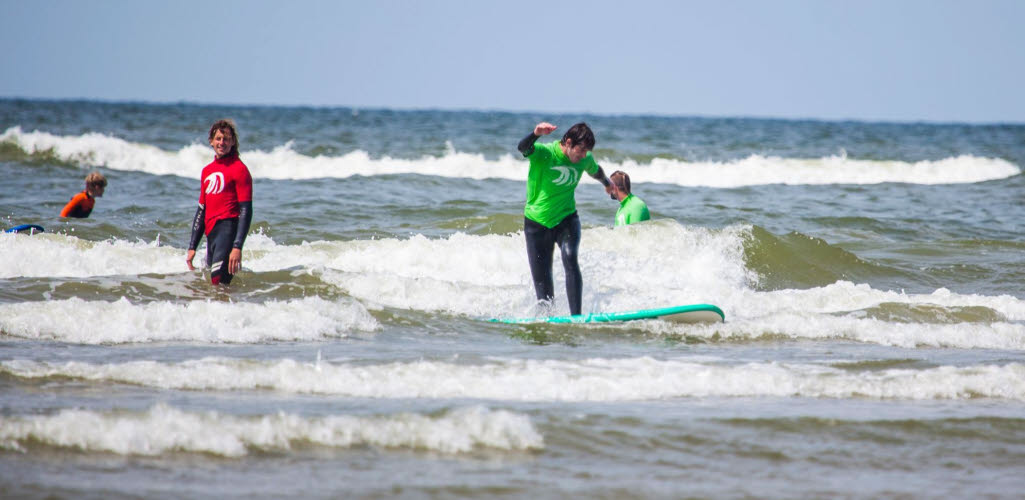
870, 274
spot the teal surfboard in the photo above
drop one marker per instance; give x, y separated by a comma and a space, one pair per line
693, 313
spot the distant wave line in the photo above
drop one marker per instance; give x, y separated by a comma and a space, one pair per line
284, 163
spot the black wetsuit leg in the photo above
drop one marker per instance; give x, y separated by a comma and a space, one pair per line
540, 248
567, 235
218, 248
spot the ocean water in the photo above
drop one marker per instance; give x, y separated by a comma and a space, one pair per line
871, 275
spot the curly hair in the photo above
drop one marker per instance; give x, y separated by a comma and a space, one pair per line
226, 125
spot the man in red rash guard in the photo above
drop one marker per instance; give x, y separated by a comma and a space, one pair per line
225, 206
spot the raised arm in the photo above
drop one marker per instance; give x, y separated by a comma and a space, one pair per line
526, 146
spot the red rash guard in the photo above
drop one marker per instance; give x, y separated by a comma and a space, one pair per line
225, 183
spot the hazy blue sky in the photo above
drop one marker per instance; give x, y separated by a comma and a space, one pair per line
905, 60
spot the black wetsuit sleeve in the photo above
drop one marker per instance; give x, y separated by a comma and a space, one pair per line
602, 178
198, 225
245, 218
526, 146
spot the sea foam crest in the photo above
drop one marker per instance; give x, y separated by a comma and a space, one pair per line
480, 274
95, 149
837, 311
759, 170
484, 276
598, 379
283, 162
99, 322
65, 255
59, 255
164, 429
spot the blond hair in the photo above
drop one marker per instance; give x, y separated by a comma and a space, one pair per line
95, 179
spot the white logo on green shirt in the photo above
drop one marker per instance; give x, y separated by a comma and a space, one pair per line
567, 175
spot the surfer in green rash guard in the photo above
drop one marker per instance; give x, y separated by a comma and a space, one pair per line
550, 214
631, 207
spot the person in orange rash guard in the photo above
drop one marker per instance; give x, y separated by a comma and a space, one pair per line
81, 205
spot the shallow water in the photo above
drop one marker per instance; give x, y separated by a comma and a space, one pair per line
870, 275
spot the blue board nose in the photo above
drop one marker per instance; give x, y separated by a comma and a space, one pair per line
25, 228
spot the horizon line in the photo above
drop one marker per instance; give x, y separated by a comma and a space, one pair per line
511, 112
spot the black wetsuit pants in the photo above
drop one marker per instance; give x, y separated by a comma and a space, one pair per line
540, 248
218, 248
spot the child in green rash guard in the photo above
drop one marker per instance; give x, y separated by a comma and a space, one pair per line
550, 214
631, 208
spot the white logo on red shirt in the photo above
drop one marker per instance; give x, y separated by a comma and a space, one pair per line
214, 183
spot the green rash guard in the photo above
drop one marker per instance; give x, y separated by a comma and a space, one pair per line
551, 183
631, 209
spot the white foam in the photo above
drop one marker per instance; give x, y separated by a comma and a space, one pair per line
64, 255
626, 269
657, 264
164, 429
99, 322
835, 311
599, 379
997, 335
759, 170
623, 269
283, 162
94, 149
60, 255
460, 273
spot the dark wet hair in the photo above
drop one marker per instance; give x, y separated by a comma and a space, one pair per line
225, 125
621, 180
580, 134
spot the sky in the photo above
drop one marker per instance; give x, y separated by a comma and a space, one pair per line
891, 60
